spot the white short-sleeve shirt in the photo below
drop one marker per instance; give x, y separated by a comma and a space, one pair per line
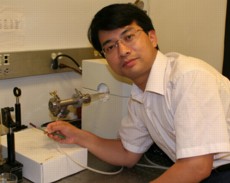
184, 110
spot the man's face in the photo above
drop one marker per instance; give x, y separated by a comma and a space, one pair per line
129, 51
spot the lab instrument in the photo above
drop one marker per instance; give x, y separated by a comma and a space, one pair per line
11, 165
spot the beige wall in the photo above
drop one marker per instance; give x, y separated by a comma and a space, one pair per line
48, 24
192, 27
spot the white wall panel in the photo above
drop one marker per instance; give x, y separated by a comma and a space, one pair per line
192, 27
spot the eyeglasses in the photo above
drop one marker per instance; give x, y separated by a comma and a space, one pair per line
128, 38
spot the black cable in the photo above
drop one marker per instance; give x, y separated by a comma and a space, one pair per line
62, 66
55, 65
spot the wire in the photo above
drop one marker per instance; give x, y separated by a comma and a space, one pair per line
71, 58
61, 66
152, 164
55, 65
87, 167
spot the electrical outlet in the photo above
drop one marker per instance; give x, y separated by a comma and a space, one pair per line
6, 59
54, 55
6, 70
4, 64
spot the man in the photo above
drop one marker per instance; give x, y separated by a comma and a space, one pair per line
178, 102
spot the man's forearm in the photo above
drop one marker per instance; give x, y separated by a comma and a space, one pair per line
109, 150
189, 170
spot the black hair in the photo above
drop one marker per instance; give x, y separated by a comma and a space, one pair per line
116, 16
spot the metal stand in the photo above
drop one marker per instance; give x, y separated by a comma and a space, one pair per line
11, 165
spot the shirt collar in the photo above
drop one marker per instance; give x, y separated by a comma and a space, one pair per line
155, 81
